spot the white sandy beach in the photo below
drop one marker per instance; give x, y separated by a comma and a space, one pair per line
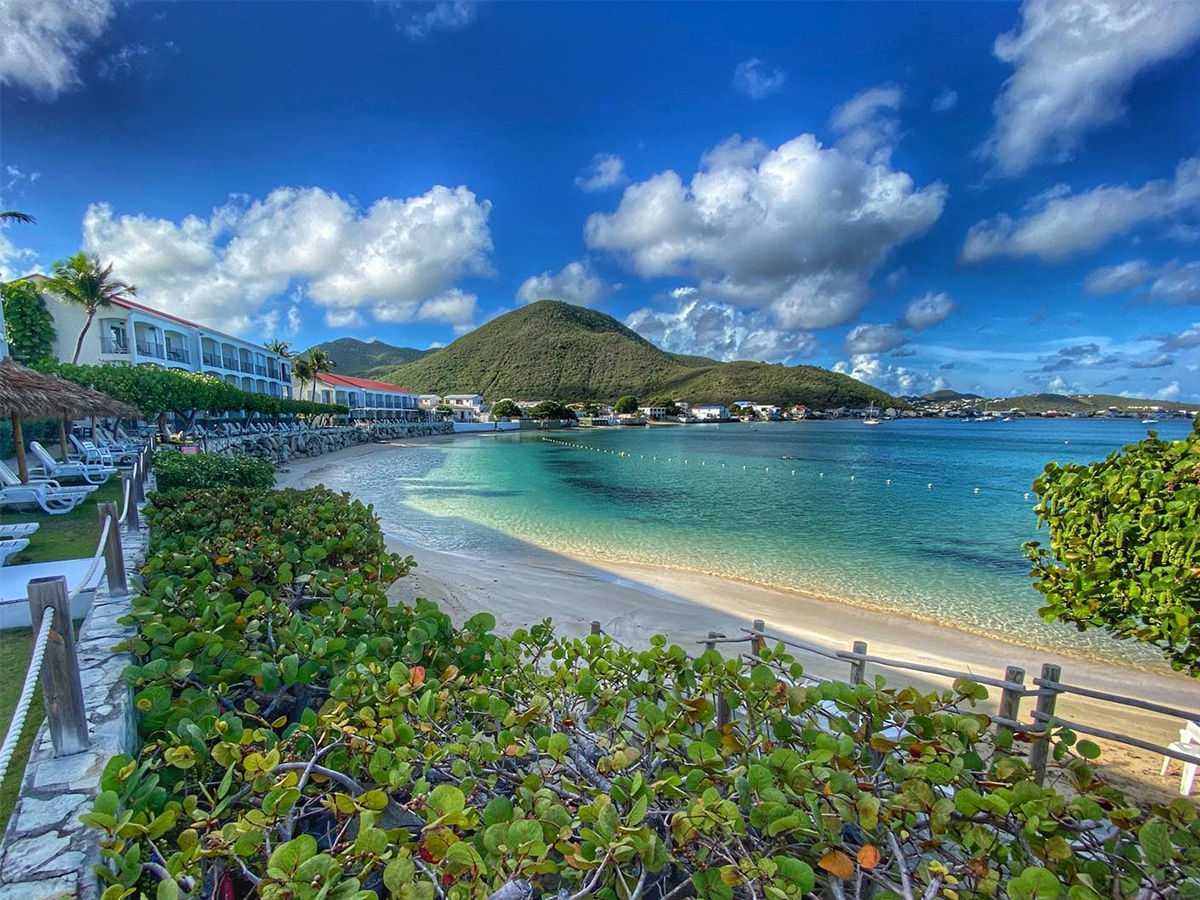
634, 602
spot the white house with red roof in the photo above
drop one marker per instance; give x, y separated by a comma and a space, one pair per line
128, 333
367, 399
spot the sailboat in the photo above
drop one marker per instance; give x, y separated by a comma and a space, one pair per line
872, 417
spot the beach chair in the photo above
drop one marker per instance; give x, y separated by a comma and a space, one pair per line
9, 546
89, 453
54, 469
8, 478
110, 442
1189, 742
52, 500
18, 529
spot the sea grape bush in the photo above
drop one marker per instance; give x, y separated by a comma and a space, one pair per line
304, 739
174, 470
1124, 550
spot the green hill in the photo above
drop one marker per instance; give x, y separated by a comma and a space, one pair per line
367, 360
1084, 403
552, 350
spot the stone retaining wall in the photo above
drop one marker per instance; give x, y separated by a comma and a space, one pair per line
46, 852
282, 448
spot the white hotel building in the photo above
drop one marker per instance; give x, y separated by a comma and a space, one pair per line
127, 333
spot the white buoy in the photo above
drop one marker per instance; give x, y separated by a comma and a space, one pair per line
889, 481
1026, 496
977, 490
822, 474
767, 469
851, 477
793, 471
930, 485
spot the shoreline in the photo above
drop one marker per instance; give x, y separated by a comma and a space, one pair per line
633, 602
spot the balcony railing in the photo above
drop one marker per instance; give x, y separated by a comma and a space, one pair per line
260, 370
248, 368
211, 359
179, 354
148, 348
108, 345
230, 363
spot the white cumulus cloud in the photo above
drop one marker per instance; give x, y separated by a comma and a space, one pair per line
1074, 61
1059, 223
394, 261
867, 122
605, 171
752, 78
574, 283
896, 380
41, 42
719, 331
928, 311
797, 230
875, 339
421, 20
1119, 279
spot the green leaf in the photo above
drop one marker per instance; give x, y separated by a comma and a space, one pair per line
761, 676
799, 873
445, 799
1088, 749
1035, 883
499, 810
1155, 840
286, 858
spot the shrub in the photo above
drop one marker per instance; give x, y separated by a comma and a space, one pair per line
304, 739
173, 470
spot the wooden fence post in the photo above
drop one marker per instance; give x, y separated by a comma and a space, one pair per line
858, 667
139, 487
61, 687
132, 523
595, 627
1010, 698
1047, 697
114, 559
758, 643
723, 714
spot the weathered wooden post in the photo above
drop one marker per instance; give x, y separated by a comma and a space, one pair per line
723, 714
1010, 698
114, 559
595, 627
758, 643
131, 510
61, 687
139, 485
858, 667
1047, 697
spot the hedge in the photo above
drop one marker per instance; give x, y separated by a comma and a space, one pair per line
174, 470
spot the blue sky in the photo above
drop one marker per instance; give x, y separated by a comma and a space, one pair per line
990, 197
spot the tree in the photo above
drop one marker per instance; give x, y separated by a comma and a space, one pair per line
303, 371
283, 348
506, 409
80, 280
1124, 550
626, 405
11, 215
668, 405
319, 361
551, 409
28, 324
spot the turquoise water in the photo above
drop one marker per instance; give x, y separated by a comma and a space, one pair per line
920, 517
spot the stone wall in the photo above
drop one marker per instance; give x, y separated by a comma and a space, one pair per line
282, 448
46, 851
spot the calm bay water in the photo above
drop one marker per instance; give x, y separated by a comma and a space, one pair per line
921, 517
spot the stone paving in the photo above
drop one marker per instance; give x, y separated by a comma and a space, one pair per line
46, 852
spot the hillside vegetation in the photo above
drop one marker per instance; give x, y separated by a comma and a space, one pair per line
551, 349
1085, 403
367, 360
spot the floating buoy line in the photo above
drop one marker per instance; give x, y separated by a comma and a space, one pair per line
975, 490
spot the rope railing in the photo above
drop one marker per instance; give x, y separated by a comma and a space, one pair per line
17, 725
96, 557
125, 501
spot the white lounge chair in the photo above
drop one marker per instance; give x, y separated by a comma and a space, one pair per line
9, 478
9, 546
52, 500
18, 529
89, 453
53, 469
1189, 742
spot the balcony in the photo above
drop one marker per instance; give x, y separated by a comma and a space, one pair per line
230, 363
212, 359
149, 348
179, 354
109, 345
248, 368
260, 370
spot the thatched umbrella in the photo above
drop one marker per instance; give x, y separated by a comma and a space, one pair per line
27, 393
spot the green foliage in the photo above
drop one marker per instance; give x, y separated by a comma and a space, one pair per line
81, 280
367, 360
666, 403
1124, 537
173, 470
28, 325
155, 391
627, 405
43, 430
506, 409
553, 349
551, 409
304, 737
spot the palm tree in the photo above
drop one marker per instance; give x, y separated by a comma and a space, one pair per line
11, 215
80, 281
283, 348
303, 370
320, 361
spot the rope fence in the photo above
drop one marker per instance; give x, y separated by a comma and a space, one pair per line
17, 725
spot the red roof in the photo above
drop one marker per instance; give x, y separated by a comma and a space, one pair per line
366, 383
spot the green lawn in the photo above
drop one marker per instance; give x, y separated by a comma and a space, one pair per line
16, 647
71, 536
